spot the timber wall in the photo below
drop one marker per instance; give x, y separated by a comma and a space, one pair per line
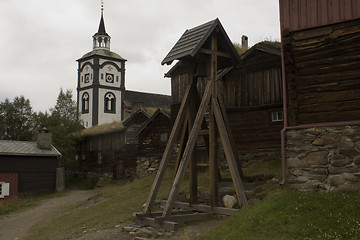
323, 74
35, 174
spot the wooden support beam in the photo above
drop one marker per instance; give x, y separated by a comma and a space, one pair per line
203, 208
188, 151
217, 53
213, 161
168, 150
231, 137
183, 141
239, 189
193, 159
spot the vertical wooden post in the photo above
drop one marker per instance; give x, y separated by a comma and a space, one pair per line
193, 160
188, 151
213, 160
168, 150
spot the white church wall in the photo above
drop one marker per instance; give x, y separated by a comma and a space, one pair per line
109, 117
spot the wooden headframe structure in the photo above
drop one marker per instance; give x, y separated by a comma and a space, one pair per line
204, 50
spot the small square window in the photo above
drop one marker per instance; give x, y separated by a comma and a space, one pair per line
163, 137
277, 116
102, 76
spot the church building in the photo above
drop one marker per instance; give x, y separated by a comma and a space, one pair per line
101, 81
101, 94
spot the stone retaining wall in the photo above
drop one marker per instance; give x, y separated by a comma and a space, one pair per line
324, 158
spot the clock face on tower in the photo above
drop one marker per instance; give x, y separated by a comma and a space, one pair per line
109, 78
87, 78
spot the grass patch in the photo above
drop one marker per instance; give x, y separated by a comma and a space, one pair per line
289, 214
111, 205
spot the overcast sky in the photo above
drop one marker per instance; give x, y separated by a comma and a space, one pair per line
41, 40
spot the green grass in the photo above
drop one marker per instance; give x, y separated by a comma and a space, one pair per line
111, 205
289, 214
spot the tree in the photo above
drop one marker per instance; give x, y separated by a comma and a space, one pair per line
16, 119
64, 121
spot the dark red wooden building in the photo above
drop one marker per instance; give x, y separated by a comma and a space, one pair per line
28, 167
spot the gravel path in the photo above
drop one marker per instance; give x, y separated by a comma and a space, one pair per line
16, 225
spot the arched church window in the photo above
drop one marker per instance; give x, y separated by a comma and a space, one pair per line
110, 103
85, 103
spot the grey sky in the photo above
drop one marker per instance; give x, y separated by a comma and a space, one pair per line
41, 39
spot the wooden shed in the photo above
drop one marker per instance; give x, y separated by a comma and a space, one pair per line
321, 72
28, 167
101, 149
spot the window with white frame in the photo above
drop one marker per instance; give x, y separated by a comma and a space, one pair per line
277, 116
110, 103
85, 103
4, 189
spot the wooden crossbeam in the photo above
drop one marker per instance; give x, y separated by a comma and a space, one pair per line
217, 53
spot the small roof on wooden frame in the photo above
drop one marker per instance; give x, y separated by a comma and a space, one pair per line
194, 39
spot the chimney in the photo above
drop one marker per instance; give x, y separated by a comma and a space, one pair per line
44, 139
244, 42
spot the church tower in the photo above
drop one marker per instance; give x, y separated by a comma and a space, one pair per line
101, 81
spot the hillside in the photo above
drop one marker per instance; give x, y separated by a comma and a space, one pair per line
281, 214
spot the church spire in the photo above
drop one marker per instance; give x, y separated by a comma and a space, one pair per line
101, 40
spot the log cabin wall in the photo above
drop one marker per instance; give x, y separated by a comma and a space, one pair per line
99, 153
153, 138
322, 73
252, 94
179, 81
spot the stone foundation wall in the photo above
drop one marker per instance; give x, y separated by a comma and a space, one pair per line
324, 158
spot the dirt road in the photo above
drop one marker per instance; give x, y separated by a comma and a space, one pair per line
16, 225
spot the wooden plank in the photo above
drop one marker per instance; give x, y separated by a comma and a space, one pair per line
240, 192
188, 151
168, 151
183, 140
213, 161
193, 160
153, 222
184, 217
205, 208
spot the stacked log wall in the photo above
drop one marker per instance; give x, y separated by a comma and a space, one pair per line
323, 73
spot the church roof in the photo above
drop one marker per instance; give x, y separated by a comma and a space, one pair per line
146, 100
102, 53
101, 30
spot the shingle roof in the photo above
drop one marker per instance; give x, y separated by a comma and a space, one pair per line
22, 148
193, 39
268, 47
101, 30
146, 100
146, 124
